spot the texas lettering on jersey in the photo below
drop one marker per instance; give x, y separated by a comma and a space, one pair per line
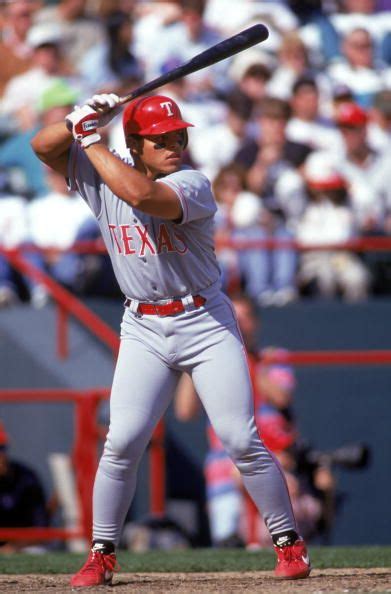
139, 240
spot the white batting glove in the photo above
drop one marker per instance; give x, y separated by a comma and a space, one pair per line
83, 123
106, 105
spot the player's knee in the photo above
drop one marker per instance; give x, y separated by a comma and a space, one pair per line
236, 440
128, 443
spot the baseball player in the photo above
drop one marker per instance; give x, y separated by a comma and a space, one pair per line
156, 218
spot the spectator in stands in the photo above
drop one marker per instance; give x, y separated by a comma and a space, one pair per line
14, 49
13, 233
358, 68
328, 219
268, 276
307, 125
316, 29
79, 30
77, 223
112, 66
270, 149
372, 15
215, 146
273, 384
379, 128
38, 220
268, 158
229, 16
341, 93
293, 61
368, 172
21, 94
364, 169
53, 103
186, 38
229, 188
22, 497
250, 72
153, 21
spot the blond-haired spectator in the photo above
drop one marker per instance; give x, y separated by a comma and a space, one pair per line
21, 94
16, 19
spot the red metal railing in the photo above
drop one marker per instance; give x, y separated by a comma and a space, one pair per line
357, 244
85, 458
348, 357
67, 305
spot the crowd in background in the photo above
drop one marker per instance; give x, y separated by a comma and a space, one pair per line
293, 133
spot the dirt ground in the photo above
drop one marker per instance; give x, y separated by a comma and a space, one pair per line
322, 581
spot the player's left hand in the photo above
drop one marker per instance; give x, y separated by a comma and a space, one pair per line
106, 105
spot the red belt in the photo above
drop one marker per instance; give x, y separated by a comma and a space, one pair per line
165, 309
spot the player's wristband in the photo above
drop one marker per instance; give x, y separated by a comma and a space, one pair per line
91, 139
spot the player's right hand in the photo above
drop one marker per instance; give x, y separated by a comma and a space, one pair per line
83, 123
106, 105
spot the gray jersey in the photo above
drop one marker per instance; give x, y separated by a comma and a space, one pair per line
153, 258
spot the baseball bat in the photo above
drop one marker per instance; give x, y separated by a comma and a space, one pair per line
229, 47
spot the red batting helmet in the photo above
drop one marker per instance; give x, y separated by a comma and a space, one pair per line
155, 114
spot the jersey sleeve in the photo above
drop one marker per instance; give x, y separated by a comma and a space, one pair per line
194, 192
83, 178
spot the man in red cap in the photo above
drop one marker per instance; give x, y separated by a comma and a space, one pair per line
363, 168
156, 218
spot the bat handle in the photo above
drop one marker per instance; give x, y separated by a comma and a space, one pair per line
125, 99
136, 93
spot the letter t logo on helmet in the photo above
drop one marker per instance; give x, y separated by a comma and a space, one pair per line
155, 114
167, 105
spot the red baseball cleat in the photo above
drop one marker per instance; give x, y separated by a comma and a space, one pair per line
97, 571
293, 561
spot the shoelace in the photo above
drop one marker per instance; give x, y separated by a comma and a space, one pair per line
104, 561
288, 554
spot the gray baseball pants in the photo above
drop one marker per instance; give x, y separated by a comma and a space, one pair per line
154, 352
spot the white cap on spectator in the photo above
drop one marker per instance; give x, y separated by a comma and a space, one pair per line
44, 33
246, 210
321, 173
243, 61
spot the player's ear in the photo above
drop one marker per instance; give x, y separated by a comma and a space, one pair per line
135, 144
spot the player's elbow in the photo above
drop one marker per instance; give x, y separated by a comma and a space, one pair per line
136, 200
137, 197
41, 148
38, 147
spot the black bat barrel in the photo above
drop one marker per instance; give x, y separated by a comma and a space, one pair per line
229, 47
